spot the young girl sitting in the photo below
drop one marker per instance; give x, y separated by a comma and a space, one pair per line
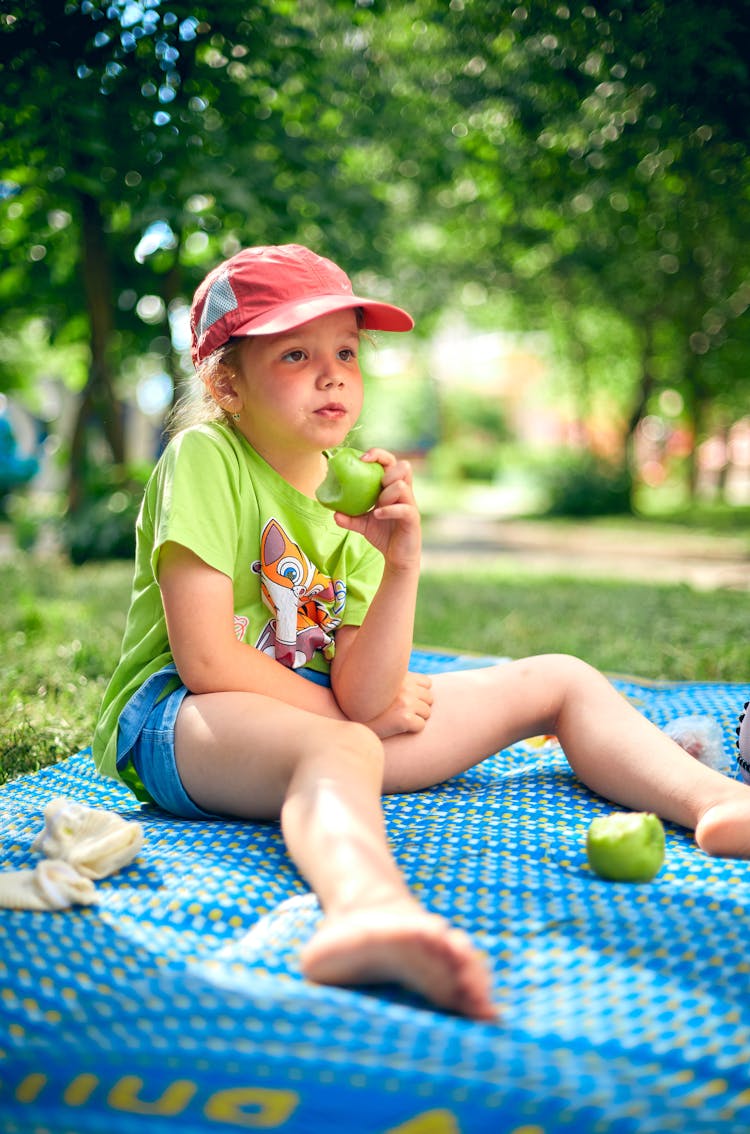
264, 670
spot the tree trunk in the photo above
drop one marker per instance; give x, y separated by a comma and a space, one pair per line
698, 402
646, 387
99, 407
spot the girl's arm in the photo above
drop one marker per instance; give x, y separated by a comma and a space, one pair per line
370, 664
199, 609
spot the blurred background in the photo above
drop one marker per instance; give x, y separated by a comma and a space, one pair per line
557, 191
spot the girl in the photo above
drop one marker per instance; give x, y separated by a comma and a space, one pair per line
264, 665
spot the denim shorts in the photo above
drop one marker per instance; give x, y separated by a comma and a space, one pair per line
145, 745
145, 742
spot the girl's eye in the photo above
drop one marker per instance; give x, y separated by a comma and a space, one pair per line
347, 355
294, 355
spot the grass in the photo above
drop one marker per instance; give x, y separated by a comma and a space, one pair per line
60, 629
651, 631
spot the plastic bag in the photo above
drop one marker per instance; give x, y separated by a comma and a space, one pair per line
702, 737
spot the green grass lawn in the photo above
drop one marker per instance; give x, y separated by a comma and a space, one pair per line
653, 631
60, 632
60, 629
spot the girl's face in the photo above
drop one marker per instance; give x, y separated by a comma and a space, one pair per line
300, 392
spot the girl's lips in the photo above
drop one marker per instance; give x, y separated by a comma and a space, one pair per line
332, 409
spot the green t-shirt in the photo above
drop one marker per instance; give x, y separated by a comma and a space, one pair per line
296, 575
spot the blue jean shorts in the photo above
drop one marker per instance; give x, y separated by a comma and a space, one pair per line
145, 745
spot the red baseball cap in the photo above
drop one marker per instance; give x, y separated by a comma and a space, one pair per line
264, 290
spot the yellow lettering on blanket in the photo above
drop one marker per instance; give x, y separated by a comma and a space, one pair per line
430, 1122
124, 1096
29, 1088
79, 1090
258, 1107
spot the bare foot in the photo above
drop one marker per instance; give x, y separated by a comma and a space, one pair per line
724, 829
408, 946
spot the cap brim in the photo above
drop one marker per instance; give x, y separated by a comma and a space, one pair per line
377, 316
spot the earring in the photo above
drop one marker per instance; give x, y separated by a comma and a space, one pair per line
235, 417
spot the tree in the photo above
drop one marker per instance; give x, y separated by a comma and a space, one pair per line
147, 143
564, 159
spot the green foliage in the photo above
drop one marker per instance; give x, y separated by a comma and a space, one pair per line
572, 177
28, 515
465, 459
473, 430
103, 527
30, 360
584, 485
586, 165
469, 412
162, 139
400, 410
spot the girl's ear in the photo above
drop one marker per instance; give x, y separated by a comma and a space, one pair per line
223, 388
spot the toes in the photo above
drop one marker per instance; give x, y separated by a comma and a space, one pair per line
424, 954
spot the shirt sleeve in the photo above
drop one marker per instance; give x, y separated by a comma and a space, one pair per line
363, 579
196, 500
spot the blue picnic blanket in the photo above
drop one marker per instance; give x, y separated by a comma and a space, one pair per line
176, 1004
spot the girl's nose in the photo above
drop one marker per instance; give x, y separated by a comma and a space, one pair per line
330, 374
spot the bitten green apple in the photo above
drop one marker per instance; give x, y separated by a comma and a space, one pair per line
626, 847
351, 485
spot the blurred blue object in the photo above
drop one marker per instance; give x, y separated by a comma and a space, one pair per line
16, 467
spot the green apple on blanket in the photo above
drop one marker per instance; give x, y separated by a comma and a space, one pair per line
626, 847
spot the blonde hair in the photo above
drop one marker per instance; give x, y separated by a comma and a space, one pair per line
197, 404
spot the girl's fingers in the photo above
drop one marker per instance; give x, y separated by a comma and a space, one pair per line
382, 456
421, 680
422, 693
394, 512
399, 472
397, 491
394, 469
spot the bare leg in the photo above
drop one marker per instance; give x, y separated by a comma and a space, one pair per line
612, 747
250, 756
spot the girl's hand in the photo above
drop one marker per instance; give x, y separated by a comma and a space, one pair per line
393, 526
410, 710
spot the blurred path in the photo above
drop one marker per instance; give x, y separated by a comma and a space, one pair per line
455, 540
588, 551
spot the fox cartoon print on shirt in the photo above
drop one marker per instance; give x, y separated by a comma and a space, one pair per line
295, 591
